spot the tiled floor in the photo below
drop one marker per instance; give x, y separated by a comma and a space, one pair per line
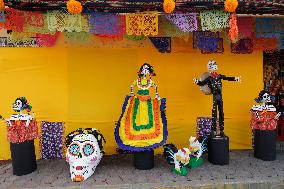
244, 171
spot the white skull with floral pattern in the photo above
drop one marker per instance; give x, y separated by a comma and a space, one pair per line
83, 155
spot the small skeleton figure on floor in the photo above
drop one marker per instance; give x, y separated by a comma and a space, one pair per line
213, 82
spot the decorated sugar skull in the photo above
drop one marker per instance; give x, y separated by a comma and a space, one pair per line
84, 152
21, 104
212, 66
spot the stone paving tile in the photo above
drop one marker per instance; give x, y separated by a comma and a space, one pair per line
118, 172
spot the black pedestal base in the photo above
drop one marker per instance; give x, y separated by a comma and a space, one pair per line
23, 157
265, 145
144, 160
218, 150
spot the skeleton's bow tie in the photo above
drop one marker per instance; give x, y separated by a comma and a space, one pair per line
214, 74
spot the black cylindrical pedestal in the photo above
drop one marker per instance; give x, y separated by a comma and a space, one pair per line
218, 150
265, 145
23, 157
144, 160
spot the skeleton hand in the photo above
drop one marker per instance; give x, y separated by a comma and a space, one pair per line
195, 80
157, 96
277, 116
238, 79
257, 116
131, 90
9, 123
28, 123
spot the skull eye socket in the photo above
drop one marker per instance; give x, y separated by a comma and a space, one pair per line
88, 149
74, 149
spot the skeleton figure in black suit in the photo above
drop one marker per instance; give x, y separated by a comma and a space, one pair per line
214, 82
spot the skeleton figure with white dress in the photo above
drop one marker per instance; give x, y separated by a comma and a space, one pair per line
213, 82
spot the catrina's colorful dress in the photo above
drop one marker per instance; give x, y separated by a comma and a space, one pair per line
264, 120
142, 124
19, 131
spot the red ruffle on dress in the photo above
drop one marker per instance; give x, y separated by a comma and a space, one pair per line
266, 120
18, 132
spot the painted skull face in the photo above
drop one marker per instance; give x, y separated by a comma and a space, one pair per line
83, 155
212, 66
18, 105
145, 70
266, 98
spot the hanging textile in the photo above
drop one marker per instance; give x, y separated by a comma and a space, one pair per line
142, 23
20, 37
36, 22
214, 20
265, 44
17, 39
52, 137
134, 37
168, 29
243, 46
61, 21
2, 16
203, 128
203, 34
77, 38
268, 27
245, 26
14, 20
3, 42
209, 45
127, 42
107, 24
47, 40
85, 27
162, 44
185, 22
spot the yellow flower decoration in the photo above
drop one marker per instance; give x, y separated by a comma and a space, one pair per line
231, 5
169, 6
2, 5
74, 7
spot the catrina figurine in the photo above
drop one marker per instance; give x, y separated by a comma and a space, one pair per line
142, 125
22, 126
